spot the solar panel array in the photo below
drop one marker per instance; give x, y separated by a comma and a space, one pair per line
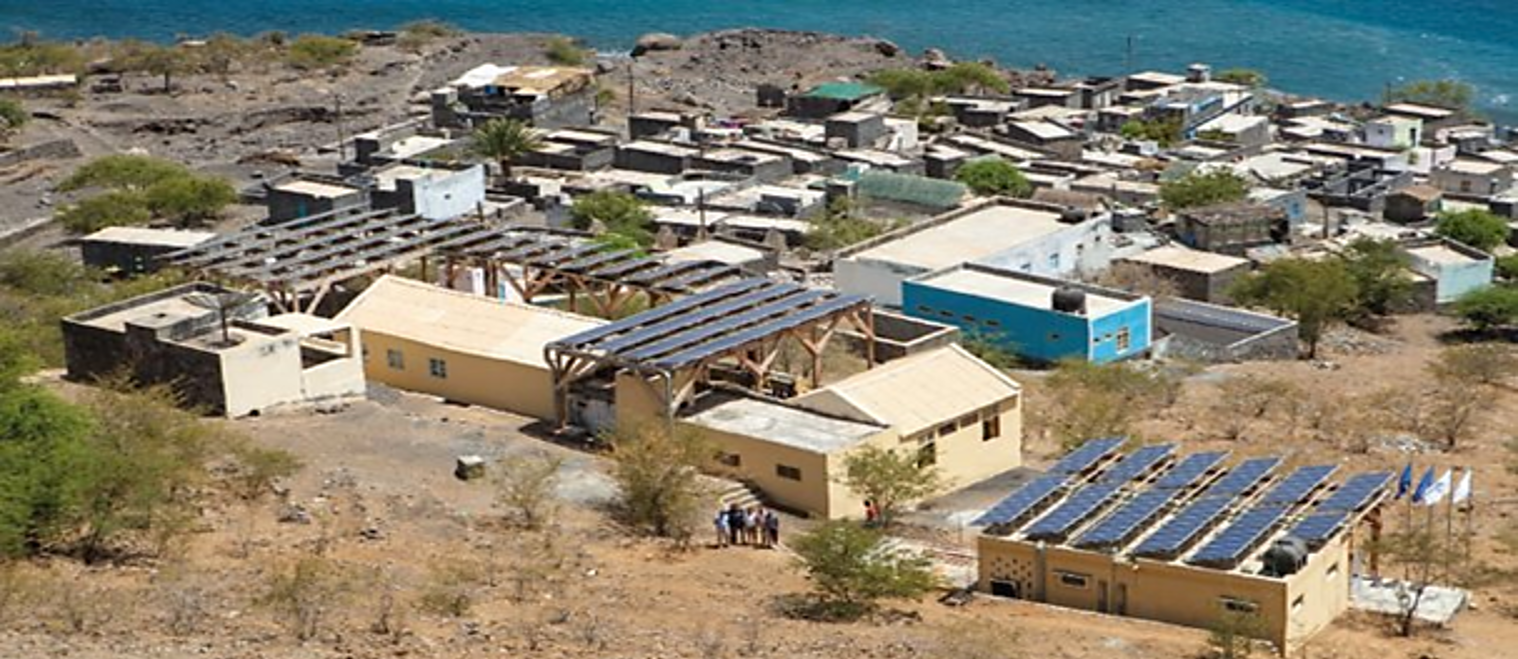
1077, 508
1180, 531
1190, 470
1126, 522
1295, 488
1087, 455
1333, 513
1239, 537
1138, 463
1245, 476
1023, 502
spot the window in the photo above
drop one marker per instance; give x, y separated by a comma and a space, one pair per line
968, 420
990, 428
1333, 570
1238, 605
946, 314
1465, 186
1073, 580
923, 308
947, 429
438, 368
1053, 337
1054, 261
993, 323
395, 359
969, 319
1124, 340
787, 472
927, 454
731, 459
1296, 604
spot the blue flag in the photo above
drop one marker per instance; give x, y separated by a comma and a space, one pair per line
1406, 482
1423, 484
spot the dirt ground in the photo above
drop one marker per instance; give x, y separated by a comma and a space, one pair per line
378, 489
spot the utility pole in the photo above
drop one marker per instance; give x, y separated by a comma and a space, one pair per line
342, 150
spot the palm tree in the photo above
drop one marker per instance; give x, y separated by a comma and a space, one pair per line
503, 140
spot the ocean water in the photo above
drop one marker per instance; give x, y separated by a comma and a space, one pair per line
1342, 49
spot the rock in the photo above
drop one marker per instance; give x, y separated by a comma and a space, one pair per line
469, 467
887, 48
934, 58
293, 514
656, 41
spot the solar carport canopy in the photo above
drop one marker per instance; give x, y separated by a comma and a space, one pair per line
716, 322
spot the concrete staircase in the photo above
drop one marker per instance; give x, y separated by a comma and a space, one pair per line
741, 493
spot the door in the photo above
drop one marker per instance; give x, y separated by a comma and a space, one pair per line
1120, 600
1101, 596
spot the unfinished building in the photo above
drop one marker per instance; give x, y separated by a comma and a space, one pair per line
1184, 540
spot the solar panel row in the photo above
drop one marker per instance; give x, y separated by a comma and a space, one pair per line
790, 320
1295, 488
1239, 537
1138, 463
1127, 520
1076, 509
1245, 476
1022, 502
1088, 454
662, 312
1177, 534
1356, 492
1190, 470
1317, 528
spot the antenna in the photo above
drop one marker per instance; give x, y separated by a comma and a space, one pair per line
222, 303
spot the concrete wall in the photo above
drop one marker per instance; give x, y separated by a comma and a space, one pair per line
876, 279
261, 374
1078, 248
1453, 280
1036, 334
965, 456
1134, 319
817, 493
473, 379
284, 206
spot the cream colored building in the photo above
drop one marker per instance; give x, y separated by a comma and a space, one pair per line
459, 346
945, 406
1127, 578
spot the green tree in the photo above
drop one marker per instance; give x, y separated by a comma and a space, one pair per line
563, 50
1379, 271
44, 437
1451, 94
1314, 292
890, 479
852, 569
1080, 401
840, 226
315, 51
1489, 307
110, 209
505, 140
189, 200
165, 61
903, 84
1233, 634
658, 478
619, 212
13, 116
1194, 190
1247, 77
994, 176
122, 171
972, 77
1165, 132
1476, 227
1507, 267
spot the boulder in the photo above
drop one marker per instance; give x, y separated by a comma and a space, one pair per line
469, 467
887, 48
934, 58
655, 41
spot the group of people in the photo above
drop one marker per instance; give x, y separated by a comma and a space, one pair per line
757, 526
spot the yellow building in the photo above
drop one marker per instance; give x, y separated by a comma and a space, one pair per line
458, 346
1182, 541
945, 406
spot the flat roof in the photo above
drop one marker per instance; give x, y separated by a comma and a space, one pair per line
1440, 254
1192, 260
407, 147
462, 322
973, 235
786, 425
1043, 130
153, 312
714, 250
1419, 110
843, 91
917, 392
662, 148
989, 284
1478, 167
1159, 77
304, 324
147, 236
316, 188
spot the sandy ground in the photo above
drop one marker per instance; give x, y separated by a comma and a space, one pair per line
378, 484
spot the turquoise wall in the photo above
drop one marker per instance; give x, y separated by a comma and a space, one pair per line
1032, 333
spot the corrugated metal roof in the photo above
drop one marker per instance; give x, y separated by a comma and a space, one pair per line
844, 91
916, 393
460, 321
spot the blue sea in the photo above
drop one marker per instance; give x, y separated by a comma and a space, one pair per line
1342, 49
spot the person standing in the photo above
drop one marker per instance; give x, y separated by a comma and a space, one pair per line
772, 529
735, 520
751, 526
721, 525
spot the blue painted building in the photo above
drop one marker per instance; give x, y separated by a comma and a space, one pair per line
1040, 319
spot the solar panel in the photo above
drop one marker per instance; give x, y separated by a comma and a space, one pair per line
1317, 528
724, 307
1087, 455
1075, 509
795, 318
1190, 470
1248, 474
1356, 492
1022, 502
1138, 463
1239, 537
1127, 520
662, 312
1183, 529
1295, 488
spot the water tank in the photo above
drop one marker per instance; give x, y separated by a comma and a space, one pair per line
1073, 215
1285, 556
1068, 299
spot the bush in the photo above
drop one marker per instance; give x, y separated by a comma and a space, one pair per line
122, 171
1164, 133
1315, 292
994, 176
1248, 77
889, 479
315, 51
1489, 307
417, 34
304, 594
851, 570
619, 212
1452, 94
525, 489
112, 209
1194, 190
1379, 270
12, 116
139, 189
1476, 227
189, 200
30, 57
563, 50
1084, 401
838, 228
657, 474
1507, 267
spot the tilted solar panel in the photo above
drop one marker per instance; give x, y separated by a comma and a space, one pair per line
1127, 520
1239, 537
1138, 463
1295, 488
1088, 454
1022, 502
1190, 470
1175, 535
1074, 510
1245, 476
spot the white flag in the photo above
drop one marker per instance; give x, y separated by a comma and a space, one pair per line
1438, 490
1463, 489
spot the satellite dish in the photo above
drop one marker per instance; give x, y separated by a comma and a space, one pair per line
222, 304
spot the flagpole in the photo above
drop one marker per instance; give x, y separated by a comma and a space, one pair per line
1449, 536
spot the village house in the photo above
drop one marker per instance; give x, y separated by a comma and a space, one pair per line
1413, 204
544, 96
1197, 275
1469, 177
135, 250
1231, 228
